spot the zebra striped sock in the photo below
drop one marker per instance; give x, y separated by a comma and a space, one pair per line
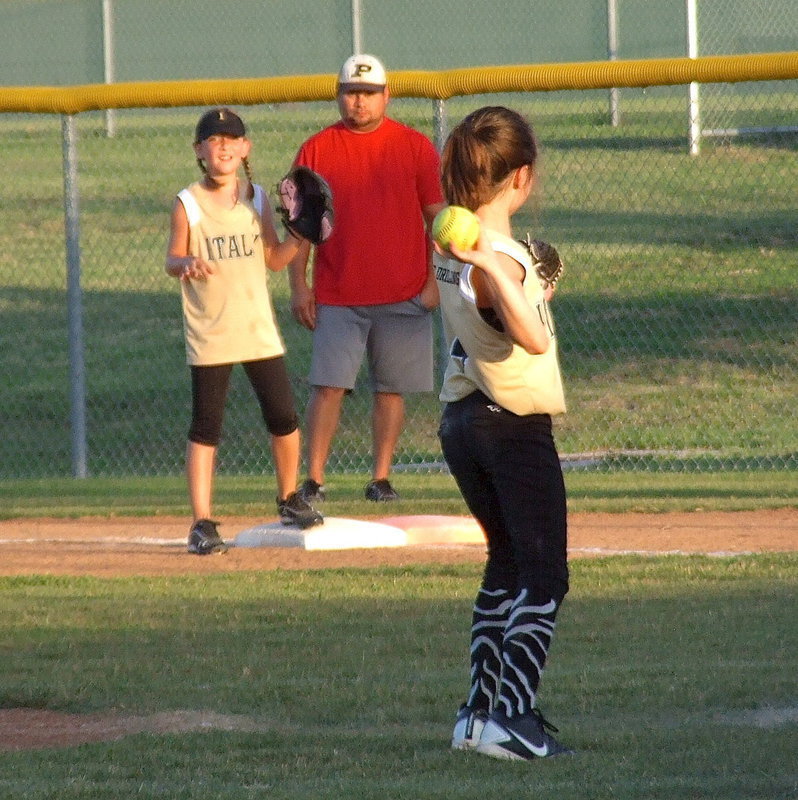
491, 611
527, 637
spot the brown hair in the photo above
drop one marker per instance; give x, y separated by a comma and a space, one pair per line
481, 153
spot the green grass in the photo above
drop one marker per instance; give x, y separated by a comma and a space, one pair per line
613, 492
672, 678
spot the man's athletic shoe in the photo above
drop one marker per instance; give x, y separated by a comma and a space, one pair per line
519, 738
296, 511
312, 492
204, 539
380, 491
468, 728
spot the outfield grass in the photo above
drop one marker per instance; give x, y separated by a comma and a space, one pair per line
672, 677
615, 492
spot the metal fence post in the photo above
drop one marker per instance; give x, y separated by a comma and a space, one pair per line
441, 129
612, 55
357, 40
694, 120
439, 122
77, 366
108, 61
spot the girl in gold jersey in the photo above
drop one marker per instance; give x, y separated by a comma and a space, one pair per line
221, 246
501, 388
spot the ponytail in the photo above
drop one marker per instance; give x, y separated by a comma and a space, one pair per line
482, 152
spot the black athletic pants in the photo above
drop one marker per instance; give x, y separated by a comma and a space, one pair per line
509, 473
268, 378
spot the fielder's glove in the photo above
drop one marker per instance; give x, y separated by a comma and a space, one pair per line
545, 261
305, 206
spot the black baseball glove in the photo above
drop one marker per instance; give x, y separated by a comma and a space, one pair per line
546, 261
305, 205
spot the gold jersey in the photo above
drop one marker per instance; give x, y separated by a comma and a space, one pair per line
229, 317
483, 357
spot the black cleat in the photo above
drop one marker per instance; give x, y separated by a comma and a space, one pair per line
294, 510
520, 738
468, 728
380, 491
312, 492
204, 539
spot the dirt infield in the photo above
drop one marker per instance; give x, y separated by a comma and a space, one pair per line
110, 547
114, 546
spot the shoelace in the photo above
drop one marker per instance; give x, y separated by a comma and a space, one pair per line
544, 722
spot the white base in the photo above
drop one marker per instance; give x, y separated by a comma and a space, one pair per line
336, 533
434, 529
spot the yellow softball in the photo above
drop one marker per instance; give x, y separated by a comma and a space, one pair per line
456, 225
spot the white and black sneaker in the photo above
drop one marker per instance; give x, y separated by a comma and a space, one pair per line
204, 539
520, 738
468, 728
294, 510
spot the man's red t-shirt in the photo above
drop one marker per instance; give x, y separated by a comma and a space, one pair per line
380, 181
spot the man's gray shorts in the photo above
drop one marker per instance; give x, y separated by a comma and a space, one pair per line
396, 338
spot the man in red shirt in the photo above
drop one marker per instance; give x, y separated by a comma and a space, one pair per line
373, 287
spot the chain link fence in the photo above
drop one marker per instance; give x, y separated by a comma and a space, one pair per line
676, 317
723, 27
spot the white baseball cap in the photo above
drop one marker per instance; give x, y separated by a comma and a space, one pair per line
362, 71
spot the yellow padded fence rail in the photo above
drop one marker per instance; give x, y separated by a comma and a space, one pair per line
412, 83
